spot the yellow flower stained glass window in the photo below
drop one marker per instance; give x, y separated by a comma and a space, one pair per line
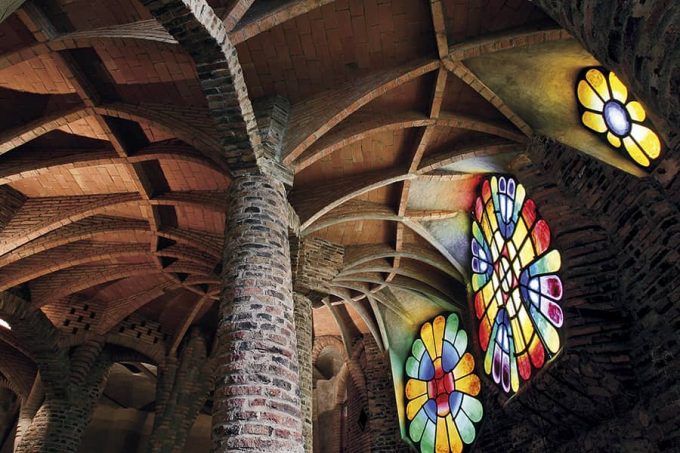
441, 392
607, 109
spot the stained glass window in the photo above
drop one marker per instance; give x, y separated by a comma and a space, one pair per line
516, 287
606, 108
441, 389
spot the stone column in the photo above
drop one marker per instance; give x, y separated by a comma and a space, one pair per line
303, 334
184, 383
315, 262
257, 404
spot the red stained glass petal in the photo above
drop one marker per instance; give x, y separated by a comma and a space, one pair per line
479, 210
536, 352
486, 190
443, 405
484, 334
449, 382
479, 304
524, 366
541, 236
529, 212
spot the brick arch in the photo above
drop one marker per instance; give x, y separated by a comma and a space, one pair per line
166, 150
204, 36
322, 112
77, 208
352, 369
358, 128
327, 341
19, 135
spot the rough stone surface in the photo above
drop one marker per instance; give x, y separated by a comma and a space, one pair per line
315, 262
303, 336
181, 391
257, 402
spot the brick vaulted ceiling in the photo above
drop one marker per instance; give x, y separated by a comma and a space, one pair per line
113, 185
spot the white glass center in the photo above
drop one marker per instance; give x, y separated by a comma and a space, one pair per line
616, 118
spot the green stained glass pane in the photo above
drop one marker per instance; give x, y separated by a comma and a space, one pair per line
451, 328
489, 352
478, 281
418, 349
473, 408
547, 264
461, 342
465, 427
427, 441
412, 367
418, 424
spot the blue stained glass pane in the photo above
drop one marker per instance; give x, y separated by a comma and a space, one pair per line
455, 399
426, 370
450, 357
431, 410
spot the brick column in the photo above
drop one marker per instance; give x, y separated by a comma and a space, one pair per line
315, 262
257, 404
60, 423
183, 386
303, 335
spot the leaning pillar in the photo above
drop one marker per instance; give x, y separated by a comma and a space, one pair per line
257, 403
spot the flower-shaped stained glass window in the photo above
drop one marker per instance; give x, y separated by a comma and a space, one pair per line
516, 287
440, 392
606, 108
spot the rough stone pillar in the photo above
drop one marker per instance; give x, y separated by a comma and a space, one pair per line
315, 262
183, 386
257, 404
60, 423
637, 39
303, 334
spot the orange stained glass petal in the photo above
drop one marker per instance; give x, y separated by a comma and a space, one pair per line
588, 98
647, 139
414, 406
439, 324
598, 81
456, 443
427, 335
613, 140
635, 152
594, 121
442, 440
636, 111
415, 388
464, 366
469, 384
619, 90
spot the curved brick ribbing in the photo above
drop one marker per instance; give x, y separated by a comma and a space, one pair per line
637, 39
303, 333
257, 404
